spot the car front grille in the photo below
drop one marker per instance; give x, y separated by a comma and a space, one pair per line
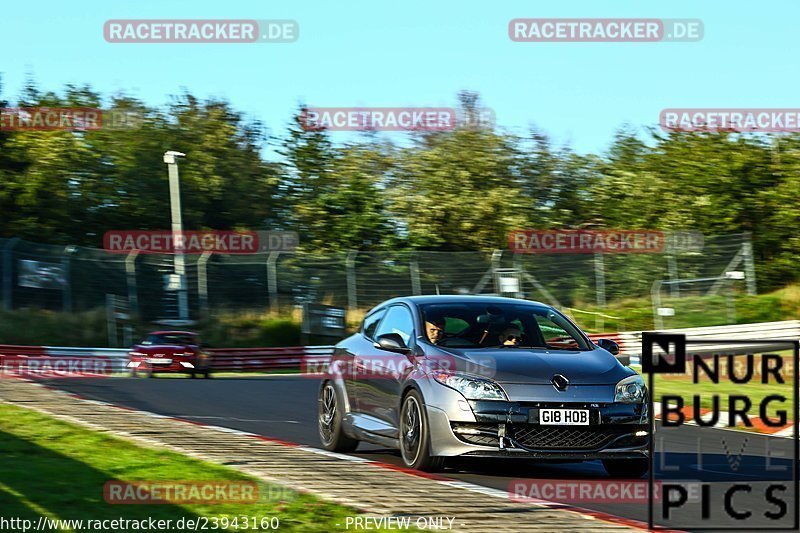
537, 437
551, 438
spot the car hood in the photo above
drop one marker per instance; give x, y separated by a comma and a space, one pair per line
153, 348
535, 366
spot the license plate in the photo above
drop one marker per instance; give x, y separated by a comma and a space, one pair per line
158, 361
564, 417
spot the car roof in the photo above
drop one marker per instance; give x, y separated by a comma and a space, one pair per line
457, 298
172, 333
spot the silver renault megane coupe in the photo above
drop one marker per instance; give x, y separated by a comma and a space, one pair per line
478, 376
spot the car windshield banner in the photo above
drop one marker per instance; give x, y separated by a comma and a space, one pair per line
724, 424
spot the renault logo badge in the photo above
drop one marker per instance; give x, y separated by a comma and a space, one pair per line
559, 382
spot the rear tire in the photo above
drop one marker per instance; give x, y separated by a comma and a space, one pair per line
329, 422
415, 441
626, 468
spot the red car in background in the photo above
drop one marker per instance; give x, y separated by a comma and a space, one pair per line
169, 352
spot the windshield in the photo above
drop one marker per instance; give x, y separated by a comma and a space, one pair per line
481, 325
167, 339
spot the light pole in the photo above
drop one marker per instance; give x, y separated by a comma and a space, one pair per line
171, 159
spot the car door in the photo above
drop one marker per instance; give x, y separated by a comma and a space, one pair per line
363, 347
380, 372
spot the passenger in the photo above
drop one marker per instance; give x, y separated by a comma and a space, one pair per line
511, 336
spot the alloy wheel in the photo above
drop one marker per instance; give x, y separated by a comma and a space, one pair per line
411, 430
327, 414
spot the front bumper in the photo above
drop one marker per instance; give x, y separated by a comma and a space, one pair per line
174, 365
512, 429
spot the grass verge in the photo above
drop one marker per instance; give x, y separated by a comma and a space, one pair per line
636, 314
55, 469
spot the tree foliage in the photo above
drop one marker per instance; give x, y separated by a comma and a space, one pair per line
458, 190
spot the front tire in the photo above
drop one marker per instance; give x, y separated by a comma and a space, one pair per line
415, 441
329, 422
626, 468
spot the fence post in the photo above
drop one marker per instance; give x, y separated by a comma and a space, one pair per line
494, 264
497, 256
8, 273
749, 266
66, 263
272, 281
202, 282
416, 286
600, 286
111, 321
130, 279
655, 296
350, 266
672, 267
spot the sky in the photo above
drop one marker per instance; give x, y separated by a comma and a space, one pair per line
420, 53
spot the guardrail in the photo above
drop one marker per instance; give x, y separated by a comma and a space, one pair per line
117, 356
787, 330
12, 349
292, 357
262, 359
223, 359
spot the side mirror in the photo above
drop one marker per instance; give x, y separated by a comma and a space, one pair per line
613, 348
608, 345
392, 342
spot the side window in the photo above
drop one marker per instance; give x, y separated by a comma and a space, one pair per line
556, 336
398, 320
455, 326
371, 322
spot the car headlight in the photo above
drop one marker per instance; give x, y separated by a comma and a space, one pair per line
137, 354
471, 387
630, 390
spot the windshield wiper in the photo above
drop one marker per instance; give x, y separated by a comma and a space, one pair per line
522, 347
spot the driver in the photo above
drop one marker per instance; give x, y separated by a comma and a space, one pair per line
434, 327
511, 336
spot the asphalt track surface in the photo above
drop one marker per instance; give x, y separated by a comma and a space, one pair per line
286, 408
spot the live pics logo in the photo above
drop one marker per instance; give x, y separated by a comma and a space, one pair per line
721, 426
